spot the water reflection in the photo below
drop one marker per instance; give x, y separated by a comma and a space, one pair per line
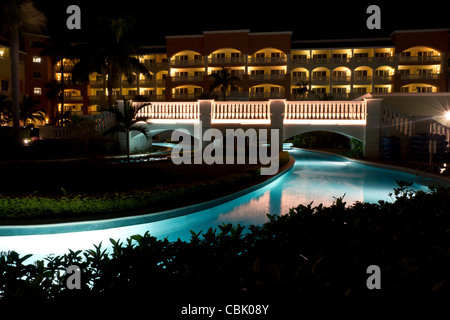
315, 178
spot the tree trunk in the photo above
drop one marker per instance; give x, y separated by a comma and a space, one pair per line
15, 81
61, 113
128, 145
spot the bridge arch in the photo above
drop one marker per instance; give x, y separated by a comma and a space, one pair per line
356, 132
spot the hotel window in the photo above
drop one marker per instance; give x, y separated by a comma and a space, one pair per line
37, 91
219, 55
425, 53
383, 54
299, 57
382, 73
257, 72
37, 59
360, 74
319, 75
424, 89
339, 55
181, 58
274, 89
360, 90
319, 90
5, 85
321, 56
257, 90
381, 89
404, 71
299, 75
237, 73
37, 75
339, 90
339, 75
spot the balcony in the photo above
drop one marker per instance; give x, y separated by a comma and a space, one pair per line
267, 77
226, 61
267, 61
420, 59
362, 79
266, 95
354, 60
420, 76
382, 79
341, 79
156, 65
316, 80
187, 63
187, 78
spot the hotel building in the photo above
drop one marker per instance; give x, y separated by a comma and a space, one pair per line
271, 65
268, 65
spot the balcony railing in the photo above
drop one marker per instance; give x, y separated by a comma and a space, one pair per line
324, 61
420, 76
267, 60
229, 60
187, 63
187, 78
420, 58
267, 76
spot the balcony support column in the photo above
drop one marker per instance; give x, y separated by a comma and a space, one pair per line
246, 64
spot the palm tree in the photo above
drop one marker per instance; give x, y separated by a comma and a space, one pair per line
5, 110
302, 89
110, 52
126, 121
58, 49
29, 111
19, 16
225, 80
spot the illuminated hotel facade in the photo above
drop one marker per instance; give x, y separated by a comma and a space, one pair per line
269, 65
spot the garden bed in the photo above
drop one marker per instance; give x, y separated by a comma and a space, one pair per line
72, 191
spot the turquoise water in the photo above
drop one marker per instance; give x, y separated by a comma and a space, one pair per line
315, 177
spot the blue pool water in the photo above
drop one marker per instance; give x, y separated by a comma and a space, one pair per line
315, 177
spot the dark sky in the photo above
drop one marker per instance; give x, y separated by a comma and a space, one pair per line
307, 20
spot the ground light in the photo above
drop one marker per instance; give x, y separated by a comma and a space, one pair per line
447, 115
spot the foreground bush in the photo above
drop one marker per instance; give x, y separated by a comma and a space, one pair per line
313, 253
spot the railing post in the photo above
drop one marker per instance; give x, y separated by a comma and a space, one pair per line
276, 119
205, 114
372, 134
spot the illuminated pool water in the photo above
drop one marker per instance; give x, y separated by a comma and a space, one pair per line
315, 177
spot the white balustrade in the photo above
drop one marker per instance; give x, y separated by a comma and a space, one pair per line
397, 120
240, 110
325, 110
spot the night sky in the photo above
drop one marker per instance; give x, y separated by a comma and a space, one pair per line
307, 20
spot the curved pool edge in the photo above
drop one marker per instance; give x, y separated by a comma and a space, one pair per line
443, 180
92, 225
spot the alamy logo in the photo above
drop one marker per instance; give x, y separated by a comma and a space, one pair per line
236, 141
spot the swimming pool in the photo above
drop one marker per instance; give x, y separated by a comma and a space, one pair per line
315, 177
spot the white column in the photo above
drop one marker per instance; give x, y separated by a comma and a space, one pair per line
372, 133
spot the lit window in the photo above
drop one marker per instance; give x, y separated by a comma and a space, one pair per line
37, 90
37, 59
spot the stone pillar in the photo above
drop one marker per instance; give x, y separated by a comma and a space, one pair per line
372, 134
276, 119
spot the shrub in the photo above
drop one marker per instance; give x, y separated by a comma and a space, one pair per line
312, 253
